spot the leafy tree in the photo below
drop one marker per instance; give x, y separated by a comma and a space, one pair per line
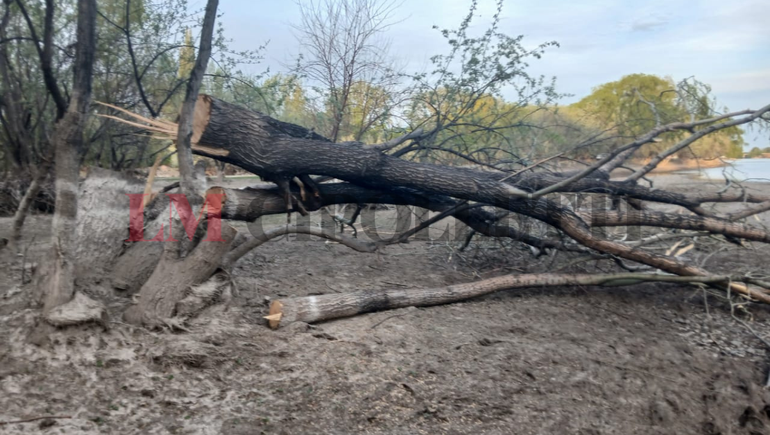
460, 103
637, 103
754, 153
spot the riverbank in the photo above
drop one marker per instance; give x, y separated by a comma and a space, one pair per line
676, 165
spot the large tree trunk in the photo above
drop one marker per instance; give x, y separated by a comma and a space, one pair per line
274, 149
174, 276
279, 151
58, 282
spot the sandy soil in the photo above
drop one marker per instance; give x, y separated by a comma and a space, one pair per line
652, 359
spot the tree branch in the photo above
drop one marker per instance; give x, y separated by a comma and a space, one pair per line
46, 53
333, 306
253, 242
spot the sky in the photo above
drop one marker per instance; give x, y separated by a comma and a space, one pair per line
724, 43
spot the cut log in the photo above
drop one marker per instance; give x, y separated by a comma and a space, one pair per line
312, 309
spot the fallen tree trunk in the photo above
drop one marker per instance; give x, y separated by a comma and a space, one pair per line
312, 309
280, 151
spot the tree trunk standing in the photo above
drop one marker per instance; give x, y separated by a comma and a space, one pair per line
59, 283
186, 171
164, 283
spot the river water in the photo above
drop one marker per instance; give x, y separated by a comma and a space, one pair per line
738, 170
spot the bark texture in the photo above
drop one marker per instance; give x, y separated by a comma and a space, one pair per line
311, 309
103, 215
280, 152
58, 283
186, 171
174, 276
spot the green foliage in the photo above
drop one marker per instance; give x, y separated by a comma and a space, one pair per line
638, 103
461, 100
635, 104
757, 152
477, 102
144, 54
186, 55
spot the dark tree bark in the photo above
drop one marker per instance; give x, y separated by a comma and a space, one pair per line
174, 275
279, 151
274, 149
265, 146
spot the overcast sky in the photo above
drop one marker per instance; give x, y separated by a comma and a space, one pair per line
725, 43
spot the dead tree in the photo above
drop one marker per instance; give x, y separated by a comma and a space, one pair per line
277, 150
341, 50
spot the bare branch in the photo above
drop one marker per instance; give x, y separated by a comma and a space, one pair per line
383, 147
253, 242
692, 138
45, 52
333, 306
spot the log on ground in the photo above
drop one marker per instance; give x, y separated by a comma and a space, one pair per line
312, 309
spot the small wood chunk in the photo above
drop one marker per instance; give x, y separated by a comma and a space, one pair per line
274, 317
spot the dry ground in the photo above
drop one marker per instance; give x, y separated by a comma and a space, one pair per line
652, 359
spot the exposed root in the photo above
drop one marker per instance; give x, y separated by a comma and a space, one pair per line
81, 309
217, 289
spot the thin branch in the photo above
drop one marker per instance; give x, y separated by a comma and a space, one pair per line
627, 150
749, 211
45, 52
253, 242
401, 238
383, 147
137, 76
692, 138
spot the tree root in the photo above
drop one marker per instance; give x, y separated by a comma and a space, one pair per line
81, 309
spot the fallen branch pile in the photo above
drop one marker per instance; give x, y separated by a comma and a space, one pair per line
289, 155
